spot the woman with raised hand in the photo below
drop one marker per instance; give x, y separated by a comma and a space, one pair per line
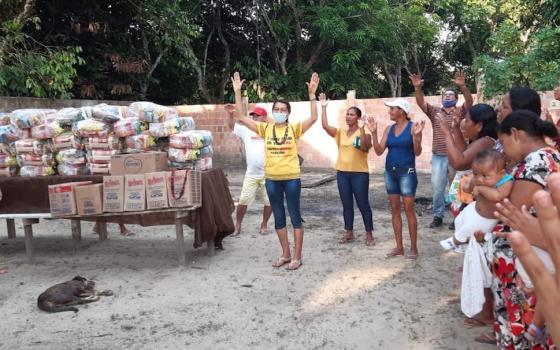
352, 174
404, 141
281, 167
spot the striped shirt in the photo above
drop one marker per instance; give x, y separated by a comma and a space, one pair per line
438, 143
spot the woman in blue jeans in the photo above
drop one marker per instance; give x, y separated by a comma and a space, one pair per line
404, 141
352, 173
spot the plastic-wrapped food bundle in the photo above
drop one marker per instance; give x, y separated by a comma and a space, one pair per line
187, 154
9, 133
99, 169
191, 139
129, 127
7, 161
91, 128
5, 119
37, 171
8, 149
71, 156
72, 170
25, 134
111, 114
28, 118
11, 171
46, 131
100, 156
69, 116
27, 159
203, 164
67, 140
110, 142
171, 127
153, 113
140, 142
37, 147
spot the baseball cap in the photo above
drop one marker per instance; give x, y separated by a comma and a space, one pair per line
401, 103
261, 112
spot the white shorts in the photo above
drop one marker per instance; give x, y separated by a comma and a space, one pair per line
469, 221
252, 185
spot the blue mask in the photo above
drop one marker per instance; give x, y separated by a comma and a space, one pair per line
449, 103
279, 118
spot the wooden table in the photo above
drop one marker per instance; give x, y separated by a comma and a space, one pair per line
75, 221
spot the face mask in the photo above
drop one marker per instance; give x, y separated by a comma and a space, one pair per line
449, 103
280, 118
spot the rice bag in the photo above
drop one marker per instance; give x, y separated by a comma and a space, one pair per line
37, 147
5, 119
182, 154
191, 139
171, 127
110, 142
69, 116
9, 133
71, 156
143, 142
100, 156
153, 113
109, 114
99, 169
91, 128
73, 170
28, 118
7, 161
129, 127
28, 159
67, 140
46, 131
37, 171
11, 171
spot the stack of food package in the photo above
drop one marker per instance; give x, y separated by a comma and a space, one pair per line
8, 135
191, 150
68, 147
34, 151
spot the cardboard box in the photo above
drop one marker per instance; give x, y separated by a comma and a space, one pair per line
61, 198
113, 194
134, 193
89, 199
138, 163
187, 182
156, 190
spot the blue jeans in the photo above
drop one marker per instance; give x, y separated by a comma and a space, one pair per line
276, 190
401, 181
353, 184
439, 183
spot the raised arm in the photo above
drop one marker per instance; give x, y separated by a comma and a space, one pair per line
311, 90
239, 115
365, 139
417, 82
378, 147
324, 103
460, 82
456, 133
417, 129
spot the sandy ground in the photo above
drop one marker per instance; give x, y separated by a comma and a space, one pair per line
344, 297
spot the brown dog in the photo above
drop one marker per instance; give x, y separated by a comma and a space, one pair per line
62, 296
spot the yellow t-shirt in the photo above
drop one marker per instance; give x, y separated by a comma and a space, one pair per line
280, 161
349, 157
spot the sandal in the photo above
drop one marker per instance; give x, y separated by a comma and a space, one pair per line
294, 265
472, 322
411, 256
346, 239
486, 338
394, 252
281, 261
127, 233
263, 231
370, 241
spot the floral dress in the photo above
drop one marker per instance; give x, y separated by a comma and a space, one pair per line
514, 310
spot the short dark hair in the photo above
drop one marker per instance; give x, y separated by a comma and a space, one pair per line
357, 110
528, 121
284, 102
523, 97
485, 114
489, 154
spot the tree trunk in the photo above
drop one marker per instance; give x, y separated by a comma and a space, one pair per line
23, 16
225, 70
297, 29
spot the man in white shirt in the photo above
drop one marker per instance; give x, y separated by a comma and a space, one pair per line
253, 182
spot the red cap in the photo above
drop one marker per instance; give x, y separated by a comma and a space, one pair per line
261, 112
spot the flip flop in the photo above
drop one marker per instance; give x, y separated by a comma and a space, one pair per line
411, 256
128, 234
486, 338
473, 322
263, 231
281, 261
294, 265
393, 253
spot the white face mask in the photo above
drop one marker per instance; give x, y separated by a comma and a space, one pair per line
279, 118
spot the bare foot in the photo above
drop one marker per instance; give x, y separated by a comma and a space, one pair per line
263, 230
412, 255
369, 240
394, 252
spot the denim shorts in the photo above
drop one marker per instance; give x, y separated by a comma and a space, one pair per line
401, 181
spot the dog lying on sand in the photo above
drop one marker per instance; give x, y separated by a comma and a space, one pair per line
62, 296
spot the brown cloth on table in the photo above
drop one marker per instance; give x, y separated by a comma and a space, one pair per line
210, 222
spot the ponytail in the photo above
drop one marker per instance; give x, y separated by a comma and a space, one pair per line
528, 121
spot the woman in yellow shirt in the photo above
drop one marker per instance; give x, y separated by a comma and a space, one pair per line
281, 165
352, 174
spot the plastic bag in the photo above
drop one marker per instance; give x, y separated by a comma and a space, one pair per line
101, 156
37, 171
191, 139
99, 169
9, 133
129, 127
46, 131
69, 116
172, 127
8, 149
153, 113
28, 118
71, 156
5, 119
28, 159
9, 172
140, 142
109, 114
7, 161
67, 140
182, 155
110, 142
37, 147
91, 128
73, 170
203, 164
